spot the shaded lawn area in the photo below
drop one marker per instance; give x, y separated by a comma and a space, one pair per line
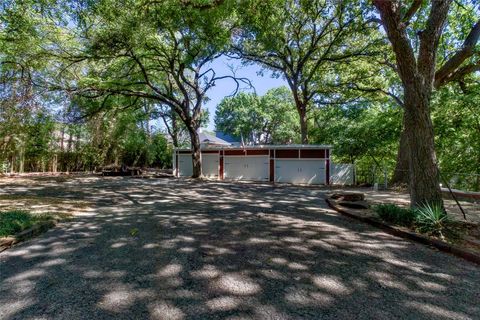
12, 222
224, 251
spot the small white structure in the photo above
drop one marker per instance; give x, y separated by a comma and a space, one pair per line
297, 164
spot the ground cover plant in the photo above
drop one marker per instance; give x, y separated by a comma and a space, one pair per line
428, 219
12, 222
395, 214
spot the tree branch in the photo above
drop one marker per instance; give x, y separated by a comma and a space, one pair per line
411, 12
446, 72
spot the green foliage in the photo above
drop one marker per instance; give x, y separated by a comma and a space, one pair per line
396, 215
35, 141
431, 219
12, 222
38, 140
125, 63
134, 232
267, 119
456, 116
364, 134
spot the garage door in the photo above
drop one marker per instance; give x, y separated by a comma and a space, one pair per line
300, 171
210, 165
253, 168
185, 167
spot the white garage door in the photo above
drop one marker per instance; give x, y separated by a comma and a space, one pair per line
300, 171
185, 166
210, 165
254, 168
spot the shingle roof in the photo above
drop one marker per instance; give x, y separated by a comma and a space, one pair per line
206, 138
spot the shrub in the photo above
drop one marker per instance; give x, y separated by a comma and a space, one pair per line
431, 219
12, 222
395, 214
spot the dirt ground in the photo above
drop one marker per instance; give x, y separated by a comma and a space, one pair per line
471, 208
179, 249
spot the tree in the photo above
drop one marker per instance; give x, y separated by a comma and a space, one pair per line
118, 131
259, 119
160, 51
364, 134
301, 40
456, 117
174, 127
417, 70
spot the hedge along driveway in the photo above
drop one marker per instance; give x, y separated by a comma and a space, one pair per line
219, 250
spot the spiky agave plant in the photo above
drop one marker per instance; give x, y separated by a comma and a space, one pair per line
431, 219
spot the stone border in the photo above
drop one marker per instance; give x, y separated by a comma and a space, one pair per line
440, 245
35, 230
470, 195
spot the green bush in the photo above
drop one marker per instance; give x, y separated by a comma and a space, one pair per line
12, 222
395, 214
431, 219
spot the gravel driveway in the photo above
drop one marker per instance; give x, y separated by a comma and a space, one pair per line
168, 249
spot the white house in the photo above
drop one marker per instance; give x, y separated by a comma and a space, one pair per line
298, 164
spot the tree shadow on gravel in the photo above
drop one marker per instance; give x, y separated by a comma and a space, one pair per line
225, 251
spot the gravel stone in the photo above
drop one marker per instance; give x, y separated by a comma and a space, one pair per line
211, 250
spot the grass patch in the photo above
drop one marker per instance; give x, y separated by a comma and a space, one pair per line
12, 222
396, 215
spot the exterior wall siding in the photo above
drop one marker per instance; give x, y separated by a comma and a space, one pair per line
272, 153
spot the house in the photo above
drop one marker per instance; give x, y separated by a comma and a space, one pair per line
208, 140
297, 164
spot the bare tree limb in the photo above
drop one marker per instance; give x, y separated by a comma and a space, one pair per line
449, 68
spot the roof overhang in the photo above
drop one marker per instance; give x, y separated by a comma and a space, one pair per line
264, 147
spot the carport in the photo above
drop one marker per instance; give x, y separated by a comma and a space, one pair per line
297, 164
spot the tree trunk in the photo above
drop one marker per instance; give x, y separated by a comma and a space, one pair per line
21, 167
477, 185
12, 167
174, 134
424, 173
173, 128
196, 160
302, 112
55, 163
401, 173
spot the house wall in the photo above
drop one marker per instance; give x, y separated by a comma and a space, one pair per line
321, 154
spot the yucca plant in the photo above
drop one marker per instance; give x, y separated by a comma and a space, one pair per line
431, 219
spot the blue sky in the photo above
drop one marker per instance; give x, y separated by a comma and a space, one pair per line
222, 66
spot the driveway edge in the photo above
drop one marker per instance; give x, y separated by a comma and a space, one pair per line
440, 245
26, 234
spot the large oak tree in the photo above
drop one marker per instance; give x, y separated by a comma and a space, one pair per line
302, 41
416, 46
159, 51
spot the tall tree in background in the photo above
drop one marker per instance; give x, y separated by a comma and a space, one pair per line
158, 51
266, 119
301, 40
456, 117
22, 106
417, 70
